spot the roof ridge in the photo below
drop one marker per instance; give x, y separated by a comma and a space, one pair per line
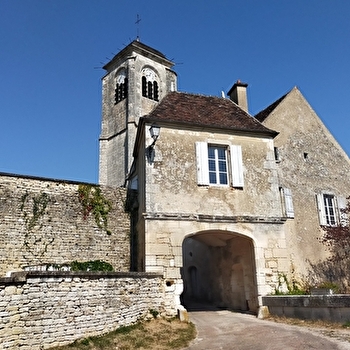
263, 114
201, 95
204, 110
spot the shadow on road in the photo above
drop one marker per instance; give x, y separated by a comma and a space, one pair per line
198, 305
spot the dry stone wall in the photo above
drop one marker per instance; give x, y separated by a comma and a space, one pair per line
39, 310
42, 222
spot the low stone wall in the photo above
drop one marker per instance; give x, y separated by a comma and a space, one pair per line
39, 310
334, 308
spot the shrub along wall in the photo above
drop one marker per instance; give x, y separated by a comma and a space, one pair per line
40, 310
45, 221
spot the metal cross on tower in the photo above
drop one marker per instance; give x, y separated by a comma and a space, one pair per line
138, 20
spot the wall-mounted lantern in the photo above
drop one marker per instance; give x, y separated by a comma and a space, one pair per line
154, 131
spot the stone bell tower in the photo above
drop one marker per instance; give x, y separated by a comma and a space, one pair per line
137, 78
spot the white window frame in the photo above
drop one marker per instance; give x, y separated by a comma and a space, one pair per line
217, 171
234, 164
325, 209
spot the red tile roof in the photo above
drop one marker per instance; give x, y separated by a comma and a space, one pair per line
205, 111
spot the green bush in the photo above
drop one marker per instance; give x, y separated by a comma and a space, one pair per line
95, 265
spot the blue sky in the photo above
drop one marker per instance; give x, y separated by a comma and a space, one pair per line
52, 51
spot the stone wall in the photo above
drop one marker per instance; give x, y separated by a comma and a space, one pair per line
334, 308
42, 222
40, 310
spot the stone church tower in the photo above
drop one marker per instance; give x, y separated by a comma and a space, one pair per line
137, 78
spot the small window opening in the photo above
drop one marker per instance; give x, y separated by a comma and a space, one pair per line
155, 91
306, 156
144, 87
150, 87
150, 90
217, 164
121, 91
125, 88
329, 208
277, 154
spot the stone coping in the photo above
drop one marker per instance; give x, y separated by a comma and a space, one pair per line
23, 276
41, 178
311, 301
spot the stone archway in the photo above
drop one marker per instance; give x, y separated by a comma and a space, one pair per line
219, 269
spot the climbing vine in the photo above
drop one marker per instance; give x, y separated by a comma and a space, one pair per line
33, 209
40, 203
93, 202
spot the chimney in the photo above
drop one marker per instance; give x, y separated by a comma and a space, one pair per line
238, 94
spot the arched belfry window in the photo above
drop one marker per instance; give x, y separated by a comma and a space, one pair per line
121, 87
155, 91
144, 86
150, 90
150, 87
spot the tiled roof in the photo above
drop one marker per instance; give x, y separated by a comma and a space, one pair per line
261, 116
137, 43
141, 48
205, 111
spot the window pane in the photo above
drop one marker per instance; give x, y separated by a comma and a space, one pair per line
212, 178
222, 166
211, 152
211, 164
223, 179
221, 153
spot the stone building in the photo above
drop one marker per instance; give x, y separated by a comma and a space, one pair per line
314, 168
222, 203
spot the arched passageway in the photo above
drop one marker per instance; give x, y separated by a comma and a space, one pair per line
219, 269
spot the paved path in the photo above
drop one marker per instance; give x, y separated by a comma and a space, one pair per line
225, 330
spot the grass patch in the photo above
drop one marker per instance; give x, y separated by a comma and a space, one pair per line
155, 334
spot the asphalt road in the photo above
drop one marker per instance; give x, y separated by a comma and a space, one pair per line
224, 329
